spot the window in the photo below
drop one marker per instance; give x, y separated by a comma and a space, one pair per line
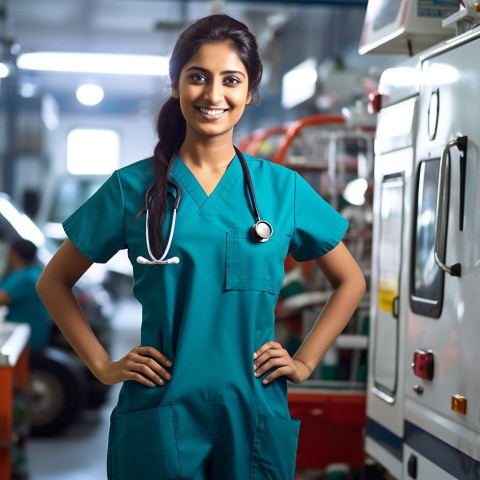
426, 293
92, 151
385, 358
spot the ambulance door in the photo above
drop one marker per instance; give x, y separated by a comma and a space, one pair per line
394, 157
442, 425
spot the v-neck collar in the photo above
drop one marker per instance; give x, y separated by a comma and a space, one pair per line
208, 205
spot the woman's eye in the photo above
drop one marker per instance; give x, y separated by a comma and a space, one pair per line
197, 77
232, 80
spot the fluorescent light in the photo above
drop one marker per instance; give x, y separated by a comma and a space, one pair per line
4, 70
89, 94
94, 63
21, 223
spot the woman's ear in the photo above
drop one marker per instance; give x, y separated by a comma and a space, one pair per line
249, 98
175, 93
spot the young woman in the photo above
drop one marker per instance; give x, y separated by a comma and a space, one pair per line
205, 394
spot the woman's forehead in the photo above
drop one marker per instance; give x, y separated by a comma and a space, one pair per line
217, 56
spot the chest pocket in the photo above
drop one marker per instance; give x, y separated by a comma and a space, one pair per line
255, 266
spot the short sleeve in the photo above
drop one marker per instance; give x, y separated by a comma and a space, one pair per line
318, 226
97, 227
14, 286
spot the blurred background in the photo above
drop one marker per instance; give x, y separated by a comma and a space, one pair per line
68, 119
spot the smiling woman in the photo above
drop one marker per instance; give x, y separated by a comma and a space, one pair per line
205, 395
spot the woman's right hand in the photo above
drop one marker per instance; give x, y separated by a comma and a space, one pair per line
145, 365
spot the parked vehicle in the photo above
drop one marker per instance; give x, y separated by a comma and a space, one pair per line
60, 385
423, 384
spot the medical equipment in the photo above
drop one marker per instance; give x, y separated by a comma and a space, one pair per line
261, 230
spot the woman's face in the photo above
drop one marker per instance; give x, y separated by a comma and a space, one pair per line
213, 91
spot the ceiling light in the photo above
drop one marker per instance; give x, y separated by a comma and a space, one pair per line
94, 63
28, 89
4, 70
89, 94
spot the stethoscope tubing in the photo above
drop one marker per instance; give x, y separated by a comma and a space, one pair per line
261, 230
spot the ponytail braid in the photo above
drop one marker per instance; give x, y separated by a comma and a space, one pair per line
171, 133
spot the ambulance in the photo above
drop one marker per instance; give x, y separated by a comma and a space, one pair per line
423, 389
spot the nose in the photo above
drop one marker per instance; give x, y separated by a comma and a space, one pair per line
214, 93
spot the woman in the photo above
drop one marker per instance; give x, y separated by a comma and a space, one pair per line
205, 394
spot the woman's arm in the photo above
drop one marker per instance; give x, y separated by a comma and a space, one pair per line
348, 283
54, 287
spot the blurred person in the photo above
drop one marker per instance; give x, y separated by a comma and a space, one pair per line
18, 293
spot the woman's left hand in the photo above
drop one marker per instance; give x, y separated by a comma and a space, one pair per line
273, 355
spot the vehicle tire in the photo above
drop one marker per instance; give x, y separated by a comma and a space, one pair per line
57, 391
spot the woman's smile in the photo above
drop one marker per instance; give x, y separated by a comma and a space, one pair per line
212, 113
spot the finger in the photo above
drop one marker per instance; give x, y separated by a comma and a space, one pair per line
135, 358
158, 369
138, 377
148, 373
279, 372
266, 346
271, 363
274, 352
154, 353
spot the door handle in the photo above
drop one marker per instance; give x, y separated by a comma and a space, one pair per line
461, 143
395, 307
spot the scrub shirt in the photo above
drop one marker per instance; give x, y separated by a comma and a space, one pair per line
208, 314
25, 305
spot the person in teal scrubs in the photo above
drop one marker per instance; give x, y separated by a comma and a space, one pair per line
17, 292
205, 394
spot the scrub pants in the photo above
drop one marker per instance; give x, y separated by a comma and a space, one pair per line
205, 436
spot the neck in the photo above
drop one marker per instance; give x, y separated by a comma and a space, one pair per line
214, 154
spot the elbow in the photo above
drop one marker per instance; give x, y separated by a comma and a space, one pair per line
355, 283
363, 287
40, 287
43, 286
359, 283
362, 283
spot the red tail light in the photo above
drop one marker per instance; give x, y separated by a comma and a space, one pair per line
423, 364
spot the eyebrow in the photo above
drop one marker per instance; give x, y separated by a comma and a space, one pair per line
225, 72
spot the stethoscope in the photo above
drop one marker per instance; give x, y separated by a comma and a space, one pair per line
261, 230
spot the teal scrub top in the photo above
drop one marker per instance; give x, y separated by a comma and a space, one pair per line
26, 306
213, 310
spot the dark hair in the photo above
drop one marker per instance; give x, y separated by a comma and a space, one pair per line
25, 249
170, 124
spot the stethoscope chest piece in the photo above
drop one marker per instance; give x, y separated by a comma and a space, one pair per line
262, 231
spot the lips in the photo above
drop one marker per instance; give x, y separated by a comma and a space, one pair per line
217, 112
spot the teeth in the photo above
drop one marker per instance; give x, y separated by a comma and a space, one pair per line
211, 112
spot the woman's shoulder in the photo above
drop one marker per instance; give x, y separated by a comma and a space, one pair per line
140, 167
267, 166
136, 173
